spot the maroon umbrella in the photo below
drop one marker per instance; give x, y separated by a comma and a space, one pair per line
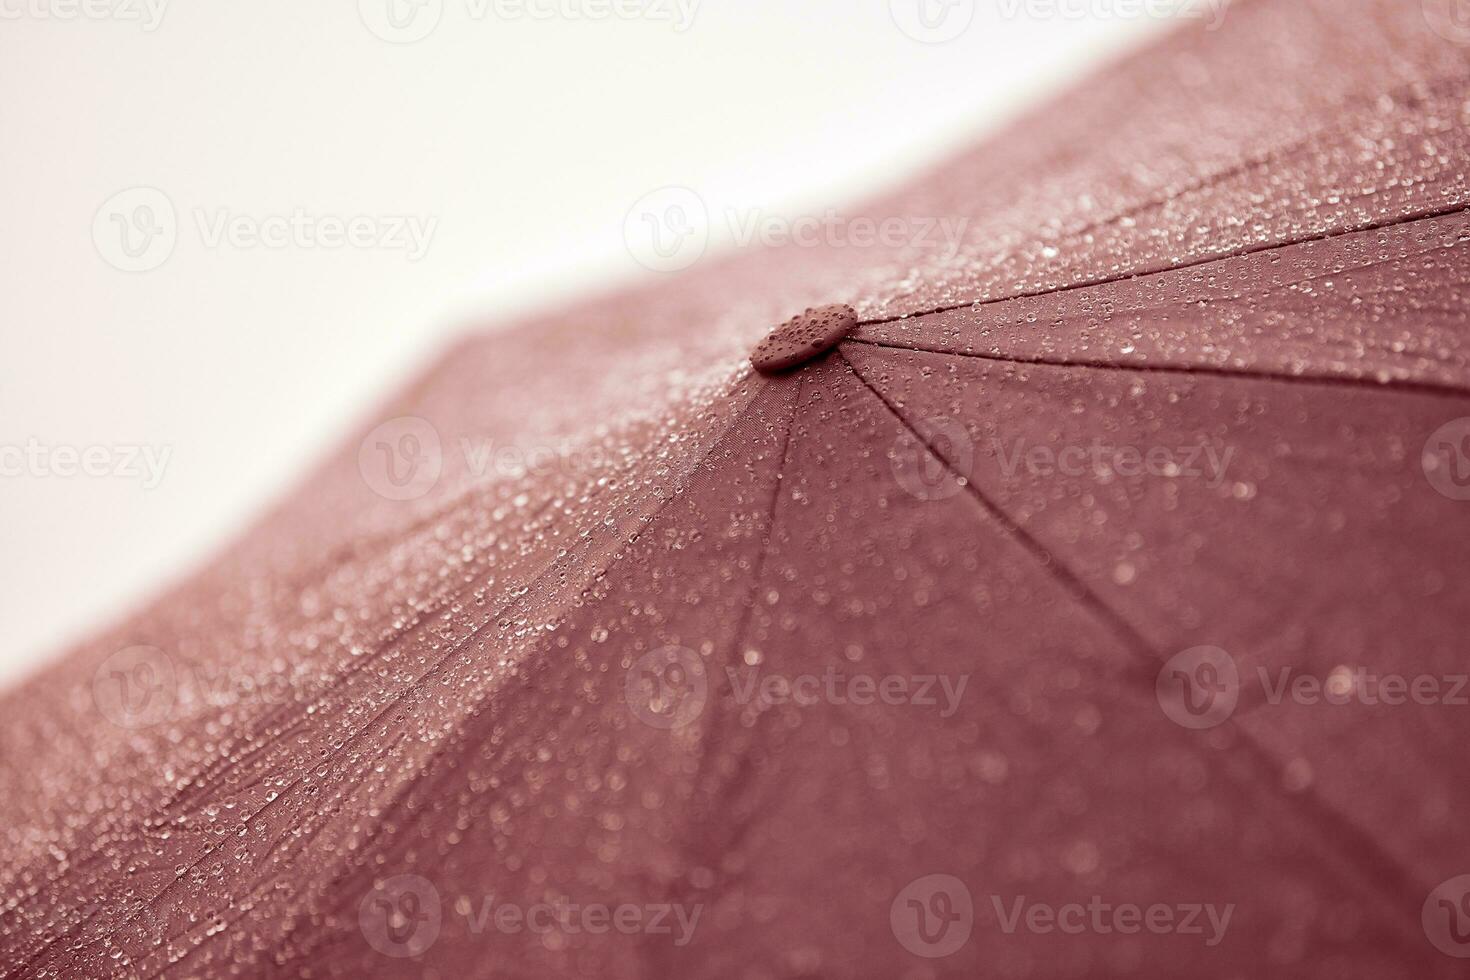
1087, 602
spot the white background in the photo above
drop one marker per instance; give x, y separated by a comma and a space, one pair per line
528, 139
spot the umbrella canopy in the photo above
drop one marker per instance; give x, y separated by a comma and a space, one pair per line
1088, 601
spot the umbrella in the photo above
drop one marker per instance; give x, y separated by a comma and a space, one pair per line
1084, 601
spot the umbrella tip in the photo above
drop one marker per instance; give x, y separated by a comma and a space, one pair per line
804, 337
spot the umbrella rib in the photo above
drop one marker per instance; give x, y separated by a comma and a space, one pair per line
216, 768
437, 667
1398, 384
1048, 559
448, 595
1425, 215
403, 790
643, 525
1264, 157
771, 512
713, 734
1388, 872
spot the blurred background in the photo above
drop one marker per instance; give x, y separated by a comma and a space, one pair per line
230, 228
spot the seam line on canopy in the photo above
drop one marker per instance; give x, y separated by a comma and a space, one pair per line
211, 770
438, 666
1398, 385
1271, 155
713, 735
402, 791
772, 512
1427, 215
1394, 882
372, 552
1041, 552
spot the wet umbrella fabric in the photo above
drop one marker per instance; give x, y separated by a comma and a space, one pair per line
443, 717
